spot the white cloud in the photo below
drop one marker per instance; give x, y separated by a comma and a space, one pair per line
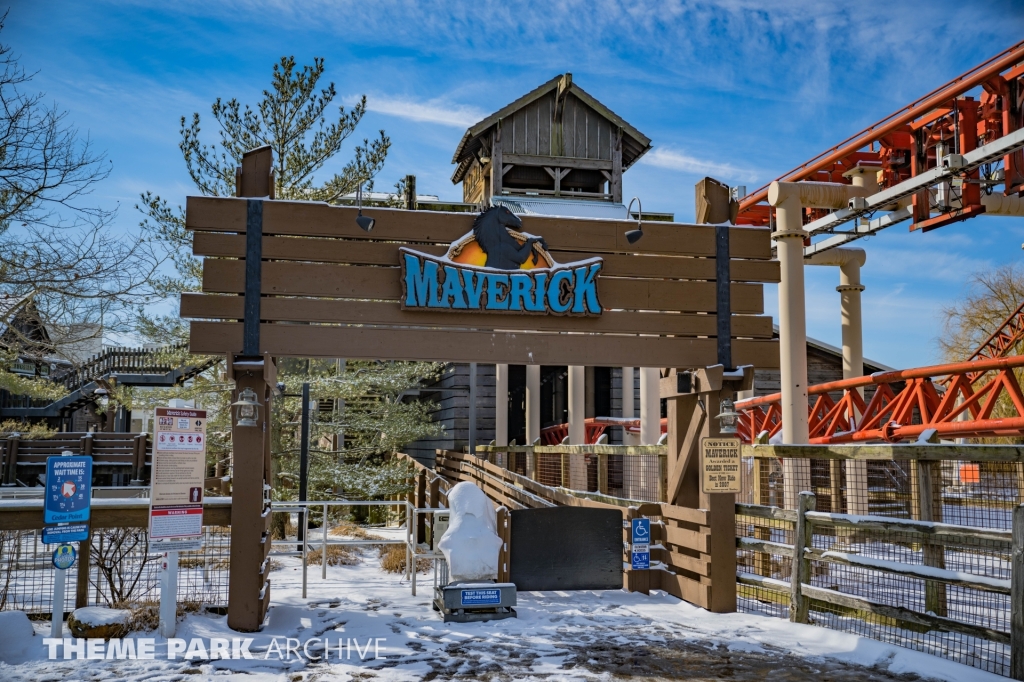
671, 159
432, 111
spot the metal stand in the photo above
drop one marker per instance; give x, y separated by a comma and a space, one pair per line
465, 602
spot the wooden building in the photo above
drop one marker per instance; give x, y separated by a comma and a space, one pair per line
556, 141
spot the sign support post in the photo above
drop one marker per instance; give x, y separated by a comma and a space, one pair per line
66, 508
169, 594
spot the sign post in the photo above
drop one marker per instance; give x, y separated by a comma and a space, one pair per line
641, 544
176, 498
65, 515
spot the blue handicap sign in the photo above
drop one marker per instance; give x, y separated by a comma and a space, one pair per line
64, 557
68, 489
71, 532
641, 560
641, 531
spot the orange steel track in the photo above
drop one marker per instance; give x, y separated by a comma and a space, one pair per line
903, 144
895, 414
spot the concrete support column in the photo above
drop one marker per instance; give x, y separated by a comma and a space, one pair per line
849, 290
789, 238
577, 425
650, 405
501, 411
532, 413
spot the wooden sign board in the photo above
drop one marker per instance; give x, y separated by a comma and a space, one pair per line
720, 465
651, 303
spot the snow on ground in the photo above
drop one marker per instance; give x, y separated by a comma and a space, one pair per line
557, 636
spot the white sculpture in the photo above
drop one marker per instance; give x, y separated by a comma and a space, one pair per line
471, 543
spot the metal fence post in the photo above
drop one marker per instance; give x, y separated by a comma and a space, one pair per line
1017, 597
801, 572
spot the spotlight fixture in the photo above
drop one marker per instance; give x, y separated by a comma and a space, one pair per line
633, 236
365, 222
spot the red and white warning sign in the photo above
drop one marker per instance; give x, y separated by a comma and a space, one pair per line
179, 472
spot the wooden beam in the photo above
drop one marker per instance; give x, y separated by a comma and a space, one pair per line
476, 346
566, 162
338, 281
313, 219
209, 307
315, 250
882, 452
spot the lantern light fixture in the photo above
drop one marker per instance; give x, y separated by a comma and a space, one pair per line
247, 408
728, 418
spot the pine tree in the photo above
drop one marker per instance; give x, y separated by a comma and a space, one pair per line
294, 117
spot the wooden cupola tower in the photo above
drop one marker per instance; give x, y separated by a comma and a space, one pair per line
554, 142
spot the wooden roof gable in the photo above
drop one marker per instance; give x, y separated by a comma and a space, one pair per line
635, 143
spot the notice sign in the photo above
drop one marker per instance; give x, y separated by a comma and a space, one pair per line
720, 465
179, 471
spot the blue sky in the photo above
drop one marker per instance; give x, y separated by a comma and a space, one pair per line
737, 89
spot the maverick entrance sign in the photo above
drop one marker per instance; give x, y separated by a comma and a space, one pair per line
302, 279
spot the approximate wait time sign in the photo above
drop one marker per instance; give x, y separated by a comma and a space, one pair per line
720, 471
179, 471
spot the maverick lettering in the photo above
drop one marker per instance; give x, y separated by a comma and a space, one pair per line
430, 283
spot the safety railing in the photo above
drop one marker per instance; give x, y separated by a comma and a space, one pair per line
937, 587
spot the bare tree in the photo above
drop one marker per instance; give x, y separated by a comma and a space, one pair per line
991, 296
58, 250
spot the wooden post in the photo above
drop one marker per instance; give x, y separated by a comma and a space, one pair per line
932, 554
504, 527
11, 472
497, 170
247, 589
801, 572
410, 193
602, 474
82, 587
615, 185
1017, 597
835, 499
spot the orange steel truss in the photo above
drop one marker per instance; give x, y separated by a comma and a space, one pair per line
957, 115
1002, 342
960, 407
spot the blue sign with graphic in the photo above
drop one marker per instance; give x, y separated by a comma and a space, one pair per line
641, 531
64, 557
68, 489
72, 532
641, 560
480, 597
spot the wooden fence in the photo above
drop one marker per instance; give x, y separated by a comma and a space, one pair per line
113, 454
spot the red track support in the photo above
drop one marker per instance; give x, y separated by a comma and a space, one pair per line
894, 414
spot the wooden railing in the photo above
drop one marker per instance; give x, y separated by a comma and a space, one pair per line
800, 594
126, 453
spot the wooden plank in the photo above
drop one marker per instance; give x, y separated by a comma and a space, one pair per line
381, 283
472, 346
676, 561
881, 452
921, 530
684, 588
565, 162
764, 512
927, 620
766, 546
313, 219
690, 539
913, 571
311, 249
200, 306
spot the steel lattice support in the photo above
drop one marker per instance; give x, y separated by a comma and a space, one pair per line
930, 398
